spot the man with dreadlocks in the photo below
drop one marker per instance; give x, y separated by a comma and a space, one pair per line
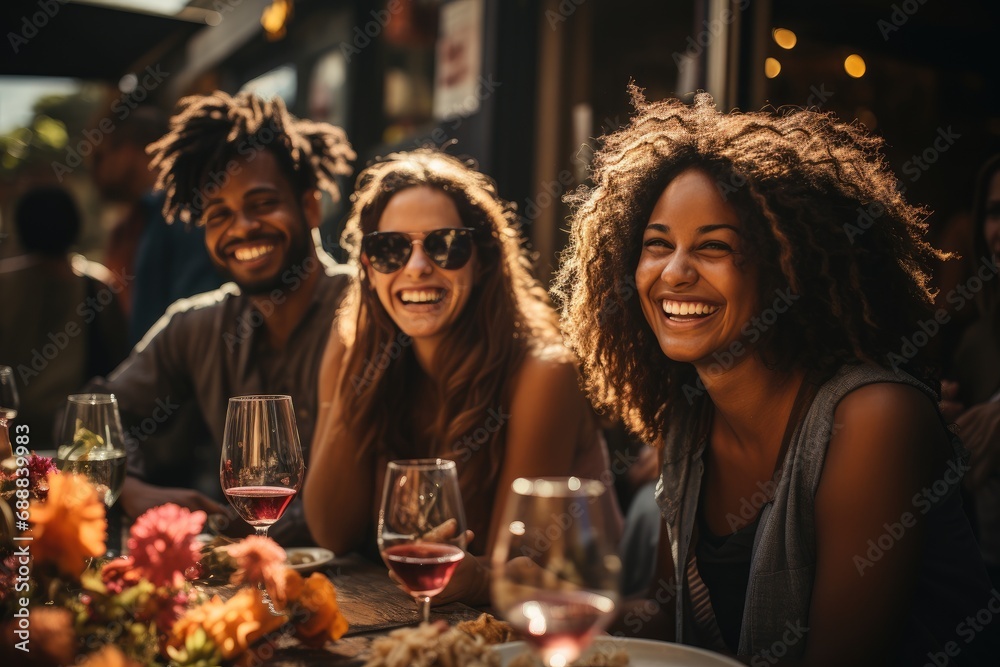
250, 173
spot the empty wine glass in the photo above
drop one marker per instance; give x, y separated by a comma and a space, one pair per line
92, 443
421, 526
555, 566
262, 466
9, 404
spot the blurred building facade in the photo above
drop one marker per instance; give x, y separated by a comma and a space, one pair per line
525, 86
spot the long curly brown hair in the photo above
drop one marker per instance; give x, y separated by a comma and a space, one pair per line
209, 132
822, 216
508, 314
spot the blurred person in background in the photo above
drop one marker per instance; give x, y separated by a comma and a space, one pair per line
61, 321
249, 174
158, 263
977, 368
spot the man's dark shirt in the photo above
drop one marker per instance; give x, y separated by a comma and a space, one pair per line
174, 389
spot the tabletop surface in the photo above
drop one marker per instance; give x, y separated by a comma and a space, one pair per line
373, 606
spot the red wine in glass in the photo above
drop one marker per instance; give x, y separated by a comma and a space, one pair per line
260, 505
421, 526
425, 569
561, 596
561, 623
262, 467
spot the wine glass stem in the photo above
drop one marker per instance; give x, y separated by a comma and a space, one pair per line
261, 530
425, 607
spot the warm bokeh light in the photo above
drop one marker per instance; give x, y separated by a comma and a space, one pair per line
771, 68
855, 66
784, 38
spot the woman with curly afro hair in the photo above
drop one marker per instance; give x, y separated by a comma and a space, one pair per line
447, 347
748, 292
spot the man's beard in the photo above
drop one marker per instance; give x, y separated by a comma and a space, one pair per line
295, 263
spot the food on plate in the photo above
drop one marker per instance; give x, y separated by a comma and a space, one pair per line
493, 631
431, 645
301, 557
601, 655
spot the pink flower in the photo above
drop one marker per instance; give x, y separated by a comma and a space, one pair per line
259, 560
162, 543
38, 469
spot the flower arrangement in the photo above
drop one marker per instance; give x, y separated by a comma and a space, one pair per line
143, 608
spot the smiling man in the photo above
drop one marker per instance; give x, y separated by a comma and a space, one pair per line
251, 174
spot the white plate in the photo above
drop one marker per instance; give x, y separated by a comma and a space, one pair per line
642, 653
315, 556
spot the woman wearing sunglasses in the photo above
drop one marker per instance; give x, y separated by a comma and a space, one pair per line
445, 347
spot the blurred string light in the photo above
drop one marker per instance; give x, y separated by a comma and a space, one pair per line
275, 19
784, 38
771, 68
855, 66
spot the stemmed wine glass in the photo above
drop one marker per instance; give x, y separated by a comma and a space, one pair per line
421, 526
262, 466
555, 566
93, 444
8, 409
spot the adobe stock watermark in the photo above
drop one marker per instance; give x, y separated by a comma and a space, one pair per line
794, 633
57, 341
818, 97
542, 538
959, 297
750, 506
162, 411
471, 443
247, 150
31, 25
439, 136
901, 13
565, 9
696, 44
375, 367
638, 616
750, 333
967, 630
362, 36
292, 279
915, 167
121, 108
923, 501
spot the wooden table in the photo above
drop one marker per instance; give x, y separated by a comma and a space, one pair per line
373, 606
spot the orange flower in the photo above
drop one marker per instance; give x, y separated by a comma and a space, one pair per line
69, 526
232, 626
109, 656
286, 586
323, 619
259, 560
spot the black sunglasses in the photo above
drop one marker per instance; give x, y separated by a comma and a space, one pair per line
450, 248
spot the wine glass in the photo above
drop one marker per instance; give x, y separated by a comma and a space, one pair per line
93, 444
8, 409
262, 466
421, 526
555, 566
